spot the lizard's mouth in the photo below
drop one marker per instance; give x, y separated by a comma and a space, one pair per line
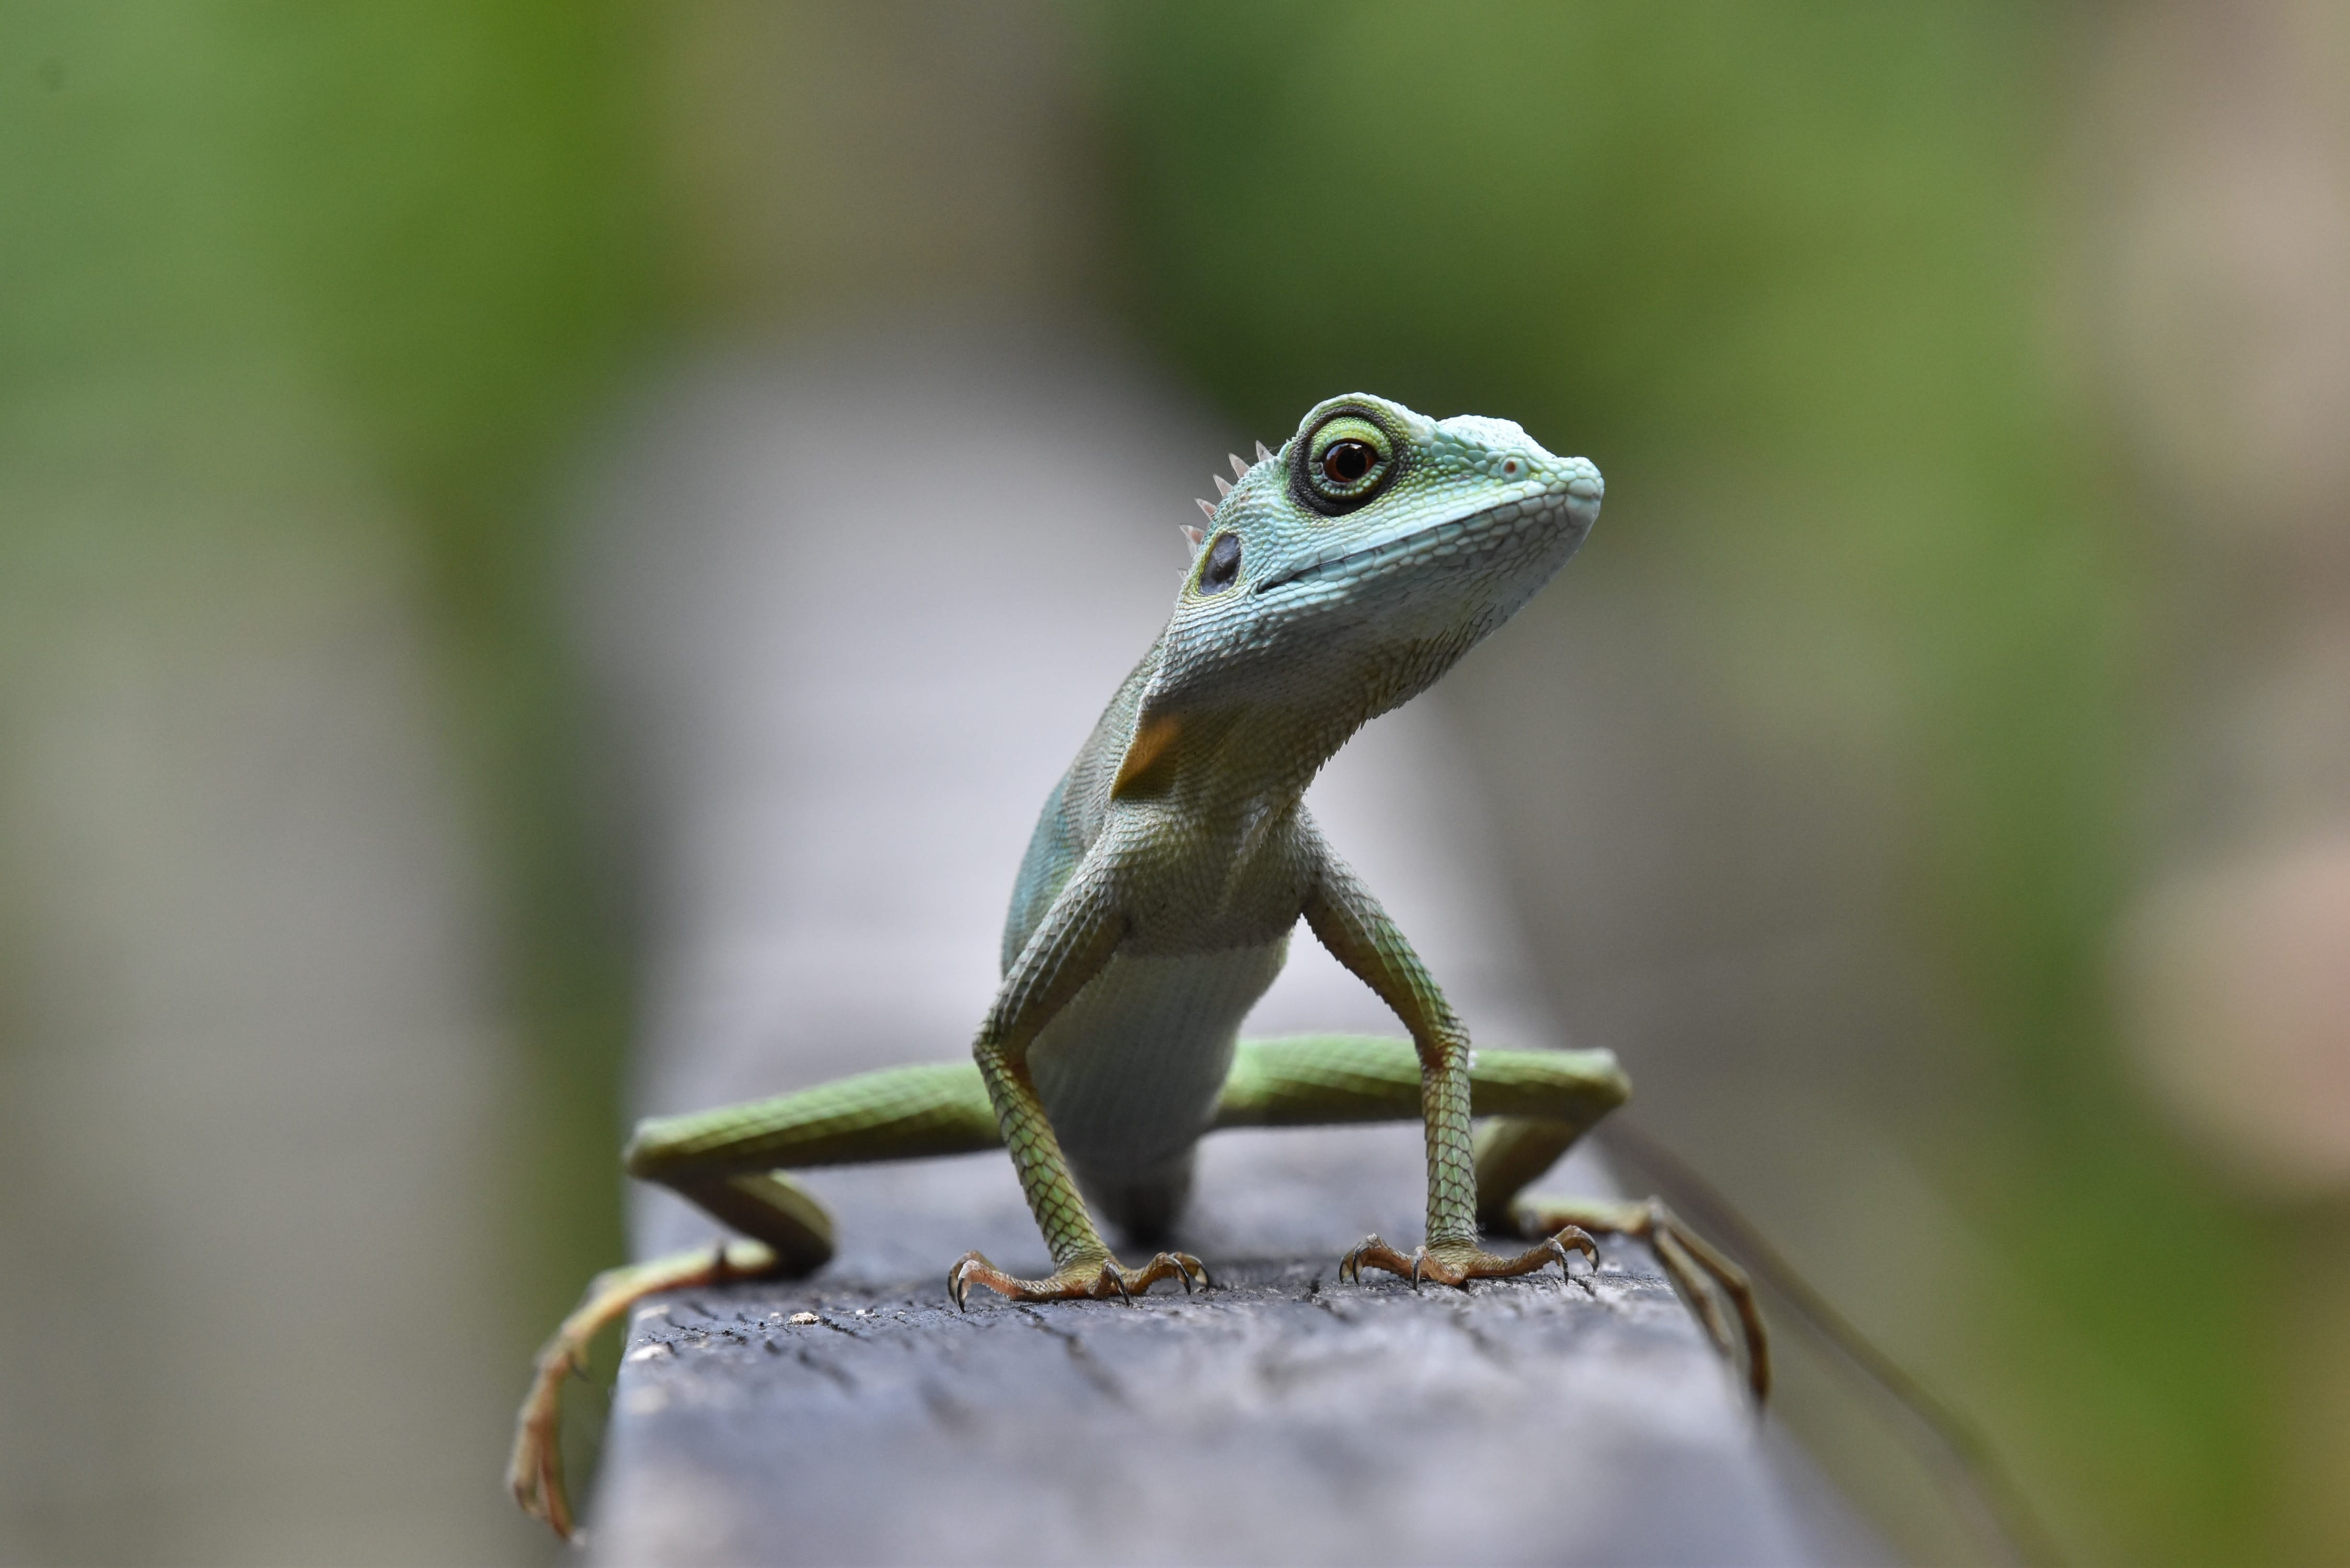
1458, 540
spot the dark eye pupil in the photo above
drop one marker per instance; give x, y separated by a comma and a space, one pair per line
1348, 461
1224, 564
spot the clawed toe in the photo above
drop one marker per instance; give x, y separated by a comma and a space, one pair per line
1379, 1255
535, 1468
534, 1471
1572, 1237
1720, 1290
974, 1268
1456, 1263
1184, 1267
1106, 1281
1714, 1286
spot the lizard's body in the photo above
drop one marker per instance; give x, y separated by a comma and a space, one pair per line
1129, 1070
1337, 579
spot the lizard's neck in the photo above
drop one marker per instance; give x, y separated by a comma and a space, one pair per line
1247, 762
1249, 755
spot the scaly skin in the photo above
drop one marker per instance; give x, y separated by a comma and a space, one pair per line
1336, 579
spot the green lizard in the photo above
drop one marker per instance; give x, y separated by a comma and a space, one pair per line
1335, 579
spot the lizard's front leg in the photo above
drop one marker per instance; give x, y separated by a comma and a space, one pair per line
1359, 934
1083, 1267
1072, 943
1535, 1104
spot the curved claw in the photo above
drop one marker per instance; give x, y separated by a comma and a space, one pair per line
1350, 1266
1113, 1277
1557, 1249
1180, 1264
971, 1266
1578, 1238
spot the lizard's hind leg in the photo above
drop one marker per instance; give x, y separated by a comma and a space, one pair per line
1717, 1288
1514, 1150
727, 1161
535, 1470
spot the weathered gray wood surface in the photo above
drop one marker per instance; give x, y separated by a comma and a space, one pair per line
1282, 1417
855, 613
1273, 1420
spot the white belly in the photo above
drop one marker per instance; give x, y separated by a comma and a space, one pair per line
1129, 1070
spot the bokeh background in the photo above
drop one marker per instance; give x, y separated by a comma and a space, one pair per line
1936, 784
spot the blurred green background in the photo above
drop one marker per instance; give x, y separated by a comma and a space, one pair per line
1961, 673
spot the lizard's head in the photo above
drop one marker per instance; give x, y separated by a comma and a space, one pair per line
1351, 568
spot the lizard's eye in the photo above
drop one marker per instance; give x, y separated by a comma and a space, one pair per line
1347, 459
1223, 564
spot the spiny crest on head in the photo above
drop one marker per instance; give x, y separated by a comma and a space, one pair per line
1224, 487
1241, 466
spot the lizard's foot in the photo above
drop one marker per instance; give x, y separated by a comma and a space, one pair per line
1087, 1279
1717, 1288
1458, 1263
534, 1472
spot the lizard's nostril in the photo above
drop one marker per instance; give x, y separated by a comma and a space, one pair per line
1510, 467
